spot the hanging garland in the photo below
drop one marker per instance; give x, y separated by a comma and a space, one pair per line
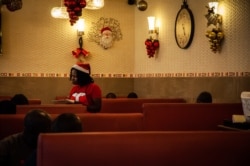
151, 45
74, 8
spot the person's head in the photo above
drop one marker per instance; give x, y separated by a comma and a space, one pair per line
111, 95
35, 122
204, 97
67, 122
20, 99
13, 5
106, 37
80, 74
132, 95
7, 107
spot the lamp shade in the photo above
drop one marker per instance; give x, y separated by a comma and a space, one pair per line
215, 5
80, 25
94, 4
151, 23
59, 12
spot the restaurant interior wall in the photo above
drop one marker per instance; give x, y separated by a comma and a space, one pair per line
37, 52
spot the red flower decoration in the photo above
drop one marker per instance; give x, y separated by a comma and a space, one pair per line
151, 46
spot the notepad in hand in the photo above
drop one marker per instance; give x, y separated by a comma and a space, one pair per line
64, 101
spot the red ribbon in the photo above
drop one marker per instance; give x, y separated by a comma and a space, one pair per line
80, 51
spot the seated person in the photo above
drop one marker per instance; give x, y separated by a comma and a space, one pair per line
20, 99
16, 148
132, 95
111, 95
65, 122
84, 91
204, 97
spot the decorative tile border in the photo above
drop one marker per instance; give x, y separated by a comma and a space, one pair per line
144, 75
34, 75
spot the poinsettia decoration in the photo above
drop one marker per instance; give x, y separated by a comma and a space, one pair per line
74, 8
151, 45
80, 53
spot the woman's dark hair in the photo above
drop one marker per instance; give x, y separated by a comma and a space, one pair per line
20, 99
82, 78
204, 97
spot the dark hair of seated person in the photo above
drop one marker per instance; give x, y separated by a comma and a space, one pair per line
111, 95
132, 95
35, 122
204, 97
17, 148
67, 122
20, 99
7, 107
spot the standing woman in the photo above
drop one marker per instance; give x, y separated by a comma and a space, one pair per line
85, 91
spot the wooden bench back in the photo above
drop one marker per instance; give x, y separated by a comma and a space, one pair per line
52, 108
131, 105
144, 148
11, 124
188, 116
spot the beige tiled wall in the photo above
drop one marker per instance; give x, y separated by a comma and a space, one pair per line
223, 89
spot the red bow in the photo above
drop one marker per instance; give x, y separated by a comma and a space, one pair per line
80, 51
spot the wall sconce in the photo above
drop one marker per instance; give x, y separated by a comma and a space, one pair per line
212, 16
80, 53
215, 35
94, 4
214, 5
59, 12
152, 43
153, 29
80, 27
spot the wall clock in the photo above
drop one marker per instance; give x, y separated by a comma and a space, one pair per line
184, 26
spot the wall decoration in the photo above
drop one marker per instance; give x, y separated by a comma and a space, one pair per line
152, 43
142, 5
11, 5
184, 26
74, 8
105, 31
80, 54
215, 34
